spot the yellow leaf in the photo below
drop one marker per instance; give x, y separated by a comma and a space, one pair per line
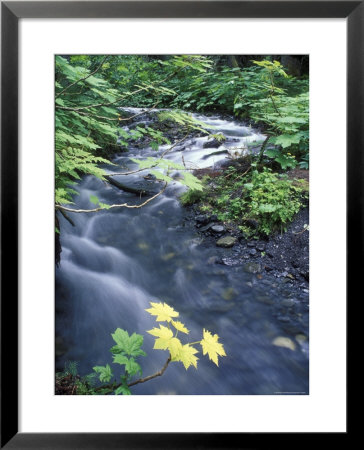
162, 311
186, 356
163, 334
211, 346
165, 340
180, 326
174, 347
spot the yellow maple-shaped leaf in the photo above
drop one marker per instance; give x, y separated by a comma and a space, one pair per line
174, 347
180, 326
211, 346
165, 340
186, 356
163, 312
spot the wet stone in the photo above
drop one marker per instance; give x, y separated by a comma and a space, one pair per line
283, 319
284, 342
252, 267
226, 242
264, 299
229, 294
206, 227
213, 260
214, 143
217, 229
288, 303
230, 262
301, 338
201, 219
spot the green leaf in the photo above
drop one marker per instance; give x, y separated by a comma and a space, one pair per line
94, 199
123, 389
132, 367
286, 140
267, 208
105, 372
129, 345
120, 359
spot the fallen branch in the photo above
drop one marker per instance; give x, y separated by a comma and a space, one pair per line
123, 187
67, 218
122, 205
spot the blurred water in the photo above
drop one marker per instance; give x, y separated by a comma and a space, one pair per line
115, 262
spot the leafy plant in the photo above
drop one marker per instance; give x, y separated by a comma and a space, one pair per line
127, 349
167, 338
191, 197
267, 199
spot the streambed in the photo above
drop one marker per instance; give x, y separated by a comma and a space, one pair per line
113, 263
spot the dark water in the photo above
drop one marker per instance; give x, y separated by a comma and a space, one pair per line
115, 262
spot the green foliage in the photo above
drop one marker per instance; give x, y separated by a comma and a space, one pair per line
70, 368
274, 200
264, 93
286, 117
89, 89
191, 197
105, 373
270, 200
84, 123
165, 165
185, 120
127, 345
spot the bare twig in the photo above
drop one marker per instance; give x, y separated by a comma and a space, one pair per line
262, 149
155, 375
122, 205
114, 386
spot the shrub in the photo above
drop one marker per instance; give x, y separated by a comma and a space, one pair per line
266, 199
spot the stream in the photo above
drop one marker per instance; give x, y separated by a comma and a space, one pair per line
114, 262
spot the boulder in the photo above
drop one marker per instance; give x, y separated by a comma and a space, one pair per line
214, 143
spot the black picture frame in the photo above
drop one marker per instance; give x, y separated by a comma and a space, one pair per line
11, 12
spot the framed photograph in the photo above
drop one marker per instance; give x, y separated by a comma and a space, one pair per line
181, 195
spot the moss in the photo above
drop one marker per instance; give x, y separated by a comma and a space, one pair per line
191, 197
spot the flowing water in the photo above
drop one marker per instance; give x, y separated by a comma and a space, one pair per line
113, 263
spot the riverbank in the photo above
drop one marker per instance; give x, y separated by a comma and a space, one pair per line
284, 256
